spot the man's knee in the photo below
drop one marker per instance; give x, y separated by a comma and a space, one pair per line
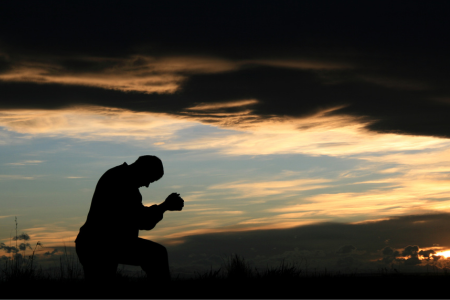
153, 248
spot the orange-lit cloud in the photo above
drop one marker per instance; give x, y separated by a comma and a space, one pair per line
214, 106
136, 73
51, 236
402, 195
316, 135
140, 73
92, 123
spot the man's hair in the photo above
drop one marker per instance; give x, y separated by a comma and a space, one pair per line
150, 163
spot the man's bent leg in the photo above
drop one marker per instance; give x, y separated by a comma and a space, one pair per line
96, 268
151, 256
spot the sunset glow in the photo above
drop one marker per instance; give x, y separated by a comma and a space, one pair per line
292, 131
445, 254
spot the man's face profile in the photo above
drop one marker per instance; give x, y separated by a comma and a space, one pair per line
145, 178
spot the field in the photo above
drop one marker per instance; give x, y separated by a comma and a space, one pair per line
21, 278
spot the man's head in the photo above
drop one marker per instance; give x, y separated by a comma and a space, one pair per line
147, 169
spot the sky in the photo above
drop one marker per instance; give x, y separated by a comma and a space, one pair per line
308, 131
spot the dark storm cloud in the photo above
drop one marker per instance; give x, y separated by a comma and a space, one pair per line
389, 255
396, 76
346, 249
317, 243
387, 251
5, 65
427, 253
234, 27
411, 251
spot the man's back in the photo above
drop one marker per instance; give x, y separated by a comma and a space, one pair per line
115, 207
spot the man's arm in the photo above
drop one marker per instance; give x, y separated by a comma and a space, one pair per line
151, 215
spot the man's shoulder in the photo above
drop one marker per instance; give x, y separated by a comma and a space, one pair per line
119, 172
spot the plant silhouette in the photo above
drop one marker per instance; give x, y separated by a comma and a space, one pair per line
117, 214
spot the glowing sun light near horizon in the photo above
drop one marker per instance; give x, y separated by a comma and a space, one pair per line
445, 254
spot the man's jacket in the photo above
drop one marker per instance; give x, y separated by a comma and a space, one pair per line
117, 210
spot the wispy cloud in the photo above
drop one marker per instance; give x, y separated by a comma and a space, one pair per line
16, 177
136, 73
25, 162
249, 189
315, 135
406, 194
2, 217
97, 123
140, 73
303, 64
217, 105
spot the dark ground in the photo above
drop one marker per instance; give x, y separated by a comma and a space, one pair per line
335, 287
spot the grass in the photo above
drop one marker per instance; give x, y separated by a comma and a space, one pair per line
22, 277
235, 279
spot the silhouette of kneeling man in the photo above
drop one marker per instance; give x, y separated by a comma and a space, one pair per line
110, 234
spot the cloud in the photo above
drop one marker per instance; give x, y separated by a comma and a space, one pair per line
8, 249
278, 93
436, 257
303, 64
93, 123
245, 189
137, 73
389, 255
408, 193
388, 251
52, 235
313, 244
411, 251
218, 106
271, 54
25, 162
15, 177
48, 253
320, 135
413, 260
427, 253
22, 236
346, 249
305, 198
1, 217
24, 246
317, 243
314, 135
